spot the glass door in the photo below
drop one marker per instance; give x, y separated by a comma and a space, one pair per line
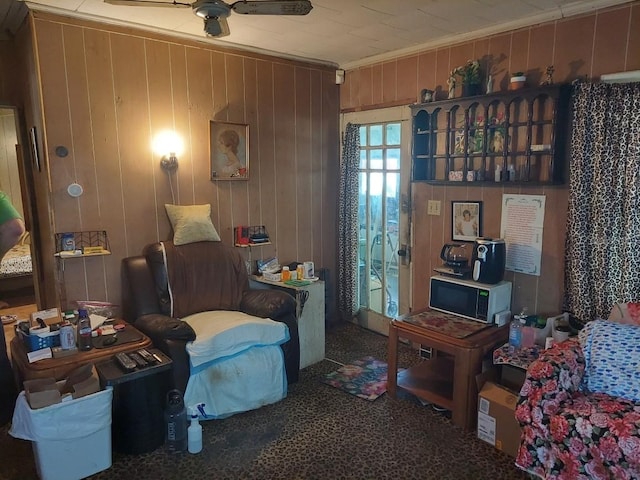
383, 272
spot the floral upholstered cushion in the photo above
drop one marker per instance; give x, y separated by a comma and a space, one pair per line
567, 434
612, 358
628, 312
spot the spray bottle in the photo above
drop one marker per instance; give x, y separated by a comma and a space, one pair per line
194, 432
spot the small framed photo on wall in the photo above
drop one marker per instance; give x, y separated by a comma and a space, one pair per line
229, 145
466, 220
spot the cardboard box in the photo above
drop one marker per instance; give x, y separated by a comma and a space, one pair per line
512, 377
43, 392
50, 316
496, 418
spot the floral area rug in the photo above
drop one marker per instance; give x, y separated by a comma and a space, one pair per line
365, 378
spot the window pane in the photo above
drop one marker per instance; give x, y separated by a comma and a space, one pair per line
363, 159
376, 159
393, 158
363, 136
375, 135
393, 134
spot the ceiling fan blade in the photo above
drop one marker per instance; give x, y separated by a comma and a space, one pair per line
216, 27
147, 3
275, 7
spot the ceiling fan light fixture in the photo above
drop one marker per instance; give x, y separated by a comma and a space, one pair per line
211, 9
216, 27
215, 12
288, 7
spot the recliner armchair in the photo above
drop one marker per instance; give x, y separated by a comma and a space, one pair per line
147, 302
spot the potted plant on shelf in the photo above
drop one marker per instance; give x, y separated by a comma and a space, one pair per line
518, 80
469, 75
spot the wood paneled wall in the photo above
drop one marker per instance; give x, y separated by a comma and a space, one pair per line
106, 91
605, 41
9, 176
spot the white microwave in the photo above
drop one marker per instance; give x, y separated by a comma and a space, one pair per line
468, 299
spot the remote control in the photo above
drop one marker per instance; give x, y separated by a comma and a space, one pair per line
144, 353
125, 361
138, 359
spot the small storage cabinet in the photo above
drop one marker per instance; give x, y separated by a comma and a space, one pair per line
517, 136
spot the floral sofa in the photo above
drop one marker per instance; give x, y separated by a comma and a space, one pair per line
568, 430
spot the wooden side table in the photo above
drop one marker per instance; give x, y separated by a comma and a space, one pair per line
446, 380
59, 368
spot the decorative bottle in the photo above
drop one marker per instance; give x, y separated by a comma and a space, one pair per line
84, 330
175, 417
490, 84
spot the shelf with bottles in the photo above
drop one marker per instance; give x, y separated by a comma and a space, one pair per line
251, 236
91, 243
467, 139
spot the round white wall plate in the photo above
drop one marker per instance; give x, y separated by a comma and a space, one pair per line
75, 190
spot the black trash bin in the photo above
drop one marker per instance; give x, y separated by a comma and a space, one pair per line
138, 404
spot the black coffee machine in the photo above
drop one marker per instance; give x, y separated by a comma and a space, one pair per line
489, 258
456, 260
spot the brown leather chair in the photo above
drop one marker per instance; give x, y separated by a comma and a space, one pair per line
146, 299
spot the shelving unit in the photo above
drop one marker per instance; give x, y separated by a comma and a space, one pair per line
249, 236
520, 134
93, 242
90, 243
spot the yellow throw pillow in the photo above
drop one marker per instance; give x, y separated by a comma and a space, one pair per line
191, 223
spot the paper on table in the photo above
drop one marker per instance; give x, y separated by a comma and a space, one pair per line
39, 354
96, 320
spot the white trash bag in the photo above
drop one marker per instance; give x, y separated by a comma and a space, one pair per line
71, 419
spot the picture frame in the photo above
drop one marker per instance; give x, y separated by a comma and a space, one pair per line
466, 220
33, 143
229, 151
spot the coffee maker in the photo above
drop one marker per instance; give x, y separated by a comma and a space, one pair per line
488, 261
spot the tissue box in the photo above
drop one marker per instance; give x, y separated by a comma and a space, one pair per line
274, 277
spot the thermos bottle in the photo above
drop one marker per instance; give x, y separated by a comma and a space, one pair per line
175, 416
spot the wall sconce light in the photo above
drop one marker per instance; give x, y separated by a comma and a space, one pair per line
168, 144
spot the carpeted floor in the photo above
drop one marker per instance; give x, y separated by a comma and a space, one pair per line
317, 432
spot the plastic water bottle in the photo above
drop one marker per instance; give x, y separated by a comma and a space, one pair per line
515, 335
175, 417
84, 330
194, 432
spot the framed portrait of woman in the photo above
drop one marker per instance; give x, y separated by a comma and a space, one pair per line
466, 224
229, 144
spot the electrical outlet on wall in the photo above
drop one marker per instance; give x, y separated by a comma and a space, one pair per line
433, 207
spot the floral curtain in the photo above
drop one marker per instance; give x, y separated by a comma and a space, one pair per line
602, 255
348, 224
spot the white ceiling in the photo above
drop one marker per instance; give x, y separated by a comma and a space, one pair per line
344, 33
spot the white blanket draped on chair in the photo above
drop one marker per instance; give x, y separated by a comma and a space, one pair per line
236, 362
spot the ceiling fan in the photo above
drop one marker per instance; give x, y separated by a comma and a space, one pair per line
215, 12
